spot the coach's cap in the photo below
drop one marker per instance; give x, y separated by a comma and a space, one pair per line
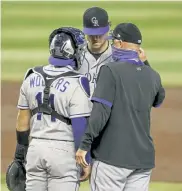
127, 32
95, 21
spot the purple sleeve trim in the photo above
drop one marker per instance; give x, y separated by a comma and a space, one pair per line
80, 115
105, 102
22, 106
157, 105
79, 125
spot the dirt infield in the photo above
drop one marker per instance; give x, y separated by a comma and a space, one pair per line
166, 131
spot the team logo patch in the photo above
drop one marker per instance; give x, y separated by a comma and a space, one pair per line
95, 21
139, 68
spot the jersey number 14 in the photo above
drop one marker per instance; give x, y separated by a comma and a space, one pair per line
51, 102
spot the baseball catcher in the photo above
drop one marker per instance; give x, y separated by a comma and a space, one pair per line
53, 109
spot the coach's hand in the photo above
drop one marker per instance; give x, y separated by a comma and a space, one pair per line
85, 174
80, 158
142, 55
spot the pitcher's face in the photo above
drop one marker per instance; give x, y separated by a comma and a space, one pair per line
96, 41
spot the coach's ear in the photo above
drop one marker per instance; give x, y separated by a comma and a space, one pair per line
84, 83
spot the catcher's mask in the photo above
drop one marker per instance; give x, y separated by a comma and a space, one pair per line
67, 43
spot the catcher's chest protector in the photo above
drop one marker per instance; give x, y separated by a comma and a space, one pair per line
44, 107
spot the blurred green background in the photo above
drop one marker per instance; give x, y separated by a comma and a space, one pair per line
26, 27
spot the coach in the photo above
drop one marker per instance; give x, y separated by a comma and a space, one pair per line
118, 132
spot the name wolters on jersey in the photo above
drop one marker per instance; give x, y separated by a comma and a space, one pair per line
64, 91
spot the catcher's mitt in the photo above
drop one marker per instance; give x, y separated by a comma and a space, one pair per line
16, 176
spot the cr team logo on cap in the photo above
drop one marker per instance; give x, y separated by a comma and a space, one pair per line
95, 21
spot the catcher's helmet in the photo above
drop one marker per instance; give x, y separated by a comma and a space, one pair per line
67, 43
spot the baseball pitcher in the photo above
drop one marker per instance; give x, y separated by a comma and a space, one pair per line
98, 51
53, 107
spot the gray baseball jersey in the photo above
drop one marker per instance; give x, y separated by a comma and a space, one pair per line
90, 65
67, 96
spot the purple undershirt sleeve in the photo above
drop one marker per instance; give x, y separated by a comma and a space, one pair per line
79, 126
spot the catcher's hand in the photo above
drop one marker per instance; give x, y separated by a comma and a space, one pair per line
16, 176
85, 175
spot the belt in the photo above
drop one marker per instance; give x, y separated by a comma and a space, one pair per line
51, 139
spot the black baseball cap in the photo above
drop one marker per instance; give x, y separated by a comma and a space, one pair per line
95, 21
127, 32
